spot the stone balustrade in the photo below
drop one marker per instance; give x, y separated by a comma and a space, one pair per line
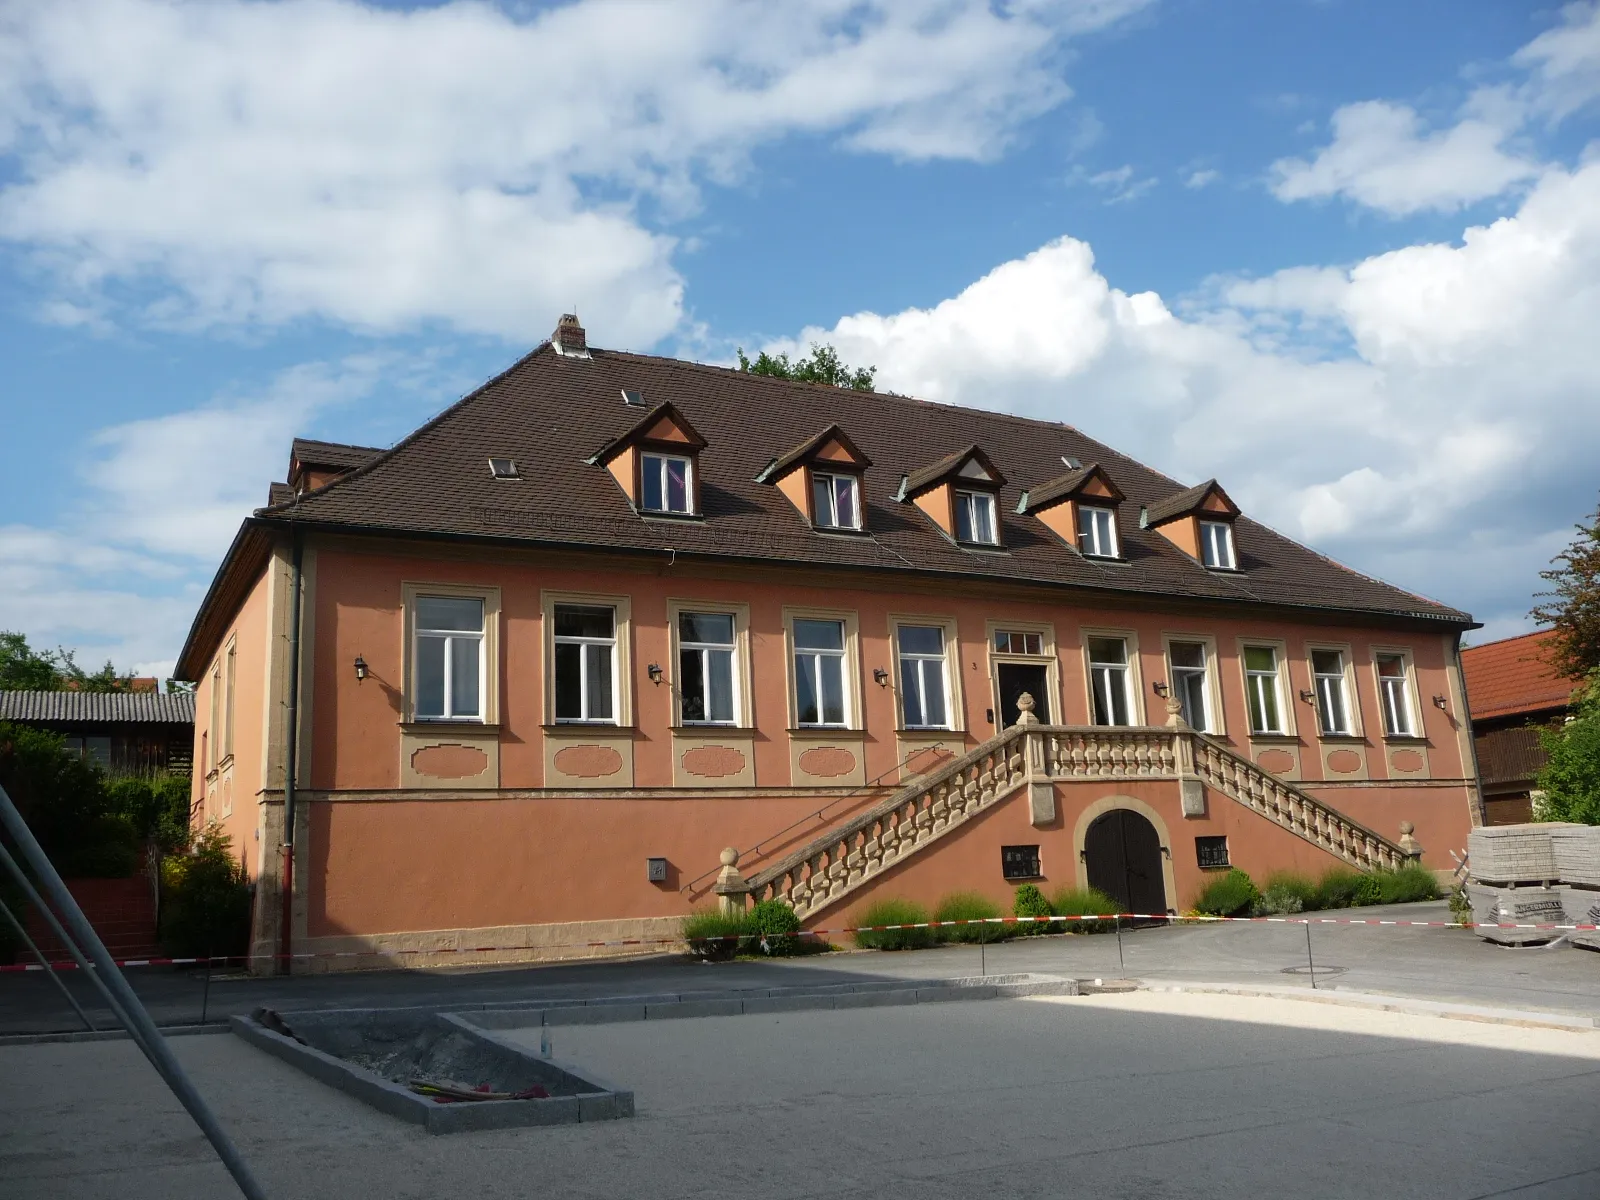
839, 861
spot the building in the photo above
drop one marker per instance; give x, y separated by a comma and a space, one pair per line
134, 731
1514, 693
610, 614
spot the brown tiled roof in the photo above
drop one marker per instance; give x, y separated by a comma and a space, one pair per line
1180, 505
279, 493
1511, 676
161, 708
310, 453
551, 413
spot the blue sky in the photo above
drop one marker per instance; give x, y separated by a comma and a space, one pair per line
1343, 256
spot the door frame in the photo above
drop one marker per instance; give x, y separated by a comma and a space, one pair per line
1099, 808
1047, 658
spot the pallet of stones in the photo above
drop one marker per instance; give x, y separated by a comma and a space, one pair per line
1517, 854
1527, 905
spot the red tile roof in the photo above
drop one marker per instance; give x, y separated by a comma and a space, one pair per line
1508, 677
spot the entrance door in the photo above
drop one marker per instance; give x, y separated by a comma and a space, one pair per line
1016, 678
1124, 858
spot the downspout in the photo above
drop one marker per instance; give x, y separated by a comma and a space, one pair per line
291, 752
1480, 808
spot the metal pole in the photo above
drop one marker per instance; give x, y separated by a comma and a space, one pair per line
1310, 962
37, 901
133, 1012
55, 975
205, 996
1121, 966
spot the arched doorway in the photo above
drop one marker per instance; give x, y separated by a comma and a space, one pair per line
1123, 853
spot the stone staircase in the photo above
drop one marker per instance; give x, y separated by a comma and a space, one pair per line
1034, 756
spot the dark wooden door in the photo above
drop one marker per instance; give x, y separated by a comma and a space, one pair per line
1123, 853
1016, 678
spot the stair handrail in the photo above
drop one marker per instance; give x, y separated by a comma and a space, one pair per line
916, 788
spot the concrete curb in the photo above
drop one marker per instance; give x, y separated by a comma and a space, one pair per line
759, 1001
1378, 1001
118, 1034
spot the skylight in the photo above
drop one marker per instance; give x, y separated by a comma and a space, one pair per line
504, 468
635, 399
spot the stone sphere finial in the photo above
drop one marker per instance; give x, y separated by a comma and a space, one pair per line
730, 857
1407, 828
1025, 706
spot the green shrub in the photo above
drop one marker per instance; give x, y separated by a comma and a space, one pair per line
1337, 887
1288, 892
892, 911
1029, 901
156, 805
774, 927
1407, 885
205, 899
1368, 891
970, 906
1232, 895
1082, 902
1460, 905
716, 936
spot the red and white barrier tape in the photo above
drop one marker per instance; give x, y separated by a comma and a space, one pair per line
1166, 918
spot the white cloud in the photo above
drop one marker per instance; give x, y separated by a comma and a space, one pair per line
1120, 184
255, 162
1200, 179
1447, 444
1383, 155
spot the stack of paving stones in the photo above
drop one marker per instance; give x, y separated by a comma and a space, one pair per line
1576, 849
1515, 881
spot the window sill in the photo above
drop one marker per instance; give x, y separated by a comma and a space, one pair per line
1348, 739
429, 725
833, 731
1411, 739
1102, 558
841, 531
712, 727
652, 515
929, 731
989, 547
1286, 738
588, 727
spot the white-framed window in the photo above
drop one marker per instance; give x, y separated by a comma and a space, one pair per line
666, 483
924, 687
835, 500
1097, 531
819, 683
1261, 689
1394, 695
707, 679
1216, 545
448, 658
585, 663
214, 744
1109, 681
1191, 686
1333, 702
975, 518
229, 686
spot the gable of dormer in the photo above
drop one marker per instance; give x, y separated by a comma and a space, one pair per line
832, 452
1056, 502
1178, 517
663, 429
933, 489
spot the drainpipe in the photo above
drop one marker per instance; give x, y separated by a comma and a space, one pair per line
291, 752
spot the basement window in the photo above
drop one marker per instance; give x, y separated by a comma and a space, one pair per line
1211, 853
1020, 862
504, 468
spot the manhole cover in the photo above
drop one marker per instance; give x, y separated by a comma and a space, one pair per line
1318, 970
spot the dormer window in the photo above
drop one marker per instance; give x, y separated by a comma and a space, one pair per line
959, 494
656, 463
822, 478
666, 484
1198, 521
1216, 545
1097, 531
835, 500
975, 518
1080, 508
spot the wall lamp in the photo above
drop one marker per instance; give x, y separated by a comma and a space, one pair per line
1161, 689
1308, 695
654, 671
1439, 701
880, 677
361, 668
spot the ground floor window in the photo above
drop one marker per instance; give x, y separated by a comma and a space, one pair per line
1020, 862
1211, 852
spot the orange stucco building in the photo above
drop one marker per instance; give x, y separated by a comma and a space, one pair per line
525, 675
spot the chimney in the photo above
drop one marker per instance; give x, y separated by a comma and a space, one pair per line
569, 338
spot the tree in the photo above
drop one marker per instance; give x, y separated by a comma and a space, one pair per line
822, 365
1570, 780
1572, 607
22, 669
